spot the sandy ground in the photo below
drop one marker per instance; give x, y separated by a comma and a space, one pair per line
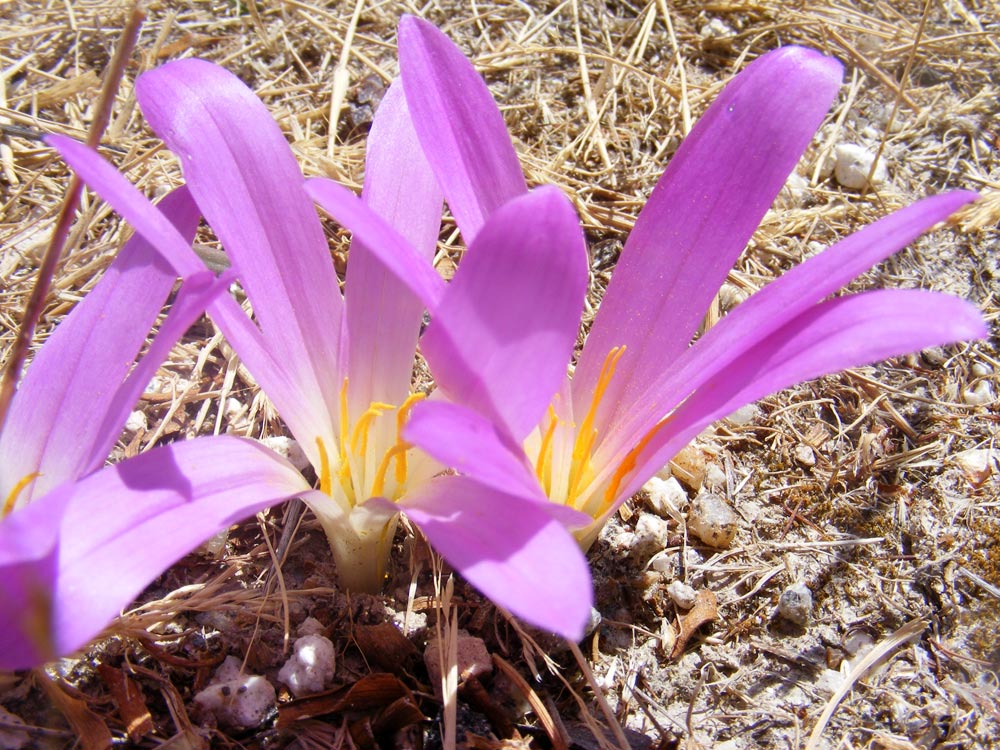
874, 490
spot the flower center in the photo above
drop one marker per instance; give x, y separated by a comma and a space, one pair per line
366, 453
565, 464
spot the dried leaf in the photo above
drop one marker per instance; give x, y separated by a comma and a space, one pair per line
128, 697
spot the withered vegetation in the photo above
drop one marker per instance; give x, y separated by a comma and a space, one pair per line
876, 488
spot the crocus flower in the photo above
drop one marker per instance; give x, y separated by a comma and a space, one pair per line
339, 369
78, 542
640, 390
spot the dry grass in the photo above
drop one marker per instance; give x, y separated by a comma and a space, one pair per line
854, 484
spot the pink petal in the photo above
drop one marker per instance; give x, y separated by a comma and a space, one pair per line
383, 316
699, 218
56, 418
117, 530
248, 185
502, 337
289, 382
460, 128
471, 444
509, 548
398, 256
777, 304
844, 332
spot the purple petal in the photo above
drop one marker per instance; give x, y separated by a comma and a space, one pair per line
56, 419
398, 256
502, 337
289, 382
699, 218
509, 548
778, 303
248, 185
120, 528
383, 316
844, 332
194, 296
459, 126
473, 445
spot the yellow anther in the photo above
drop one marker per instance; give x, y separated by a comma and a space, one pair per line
325, 478
543, 466
360, 432
8, 504
586, 435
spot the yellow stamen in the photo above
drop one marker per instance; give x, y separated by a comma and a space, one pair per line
401, 416
325, 478
378, 486
586, 435
360, 433
8, 504
543, 466
627, 465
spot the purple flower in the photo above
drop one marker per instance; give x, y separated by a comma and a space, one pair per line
640, 390
338, 369
78, 542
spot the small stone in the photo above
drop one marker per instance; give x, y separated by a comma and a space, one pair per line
712, 520
715, 476
795, 604
662, 562
136, 421
310, 667
981, 370
473, 659
976, 465
744, 415
794, 192
853, 163
237, 700
666, 498
689, 467
979, 395
651, 535
682, 595
288, 448
935, 355
716, 28
828, 682
805, 455
310, 626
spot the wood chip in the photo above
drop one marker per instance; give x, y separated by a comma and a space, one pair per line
128, 697
705, 610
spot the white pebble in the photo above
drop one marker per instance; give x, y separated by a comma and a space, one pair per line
805, 455
683, 595
744, 415
978, 395
712, 520
136, 421
662, 562
310, 667
715, 476
236, 700
795, 604
473, 659
794, 192
288, 448
976, 464
666, 497
651, 535
853, 163
310, 626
